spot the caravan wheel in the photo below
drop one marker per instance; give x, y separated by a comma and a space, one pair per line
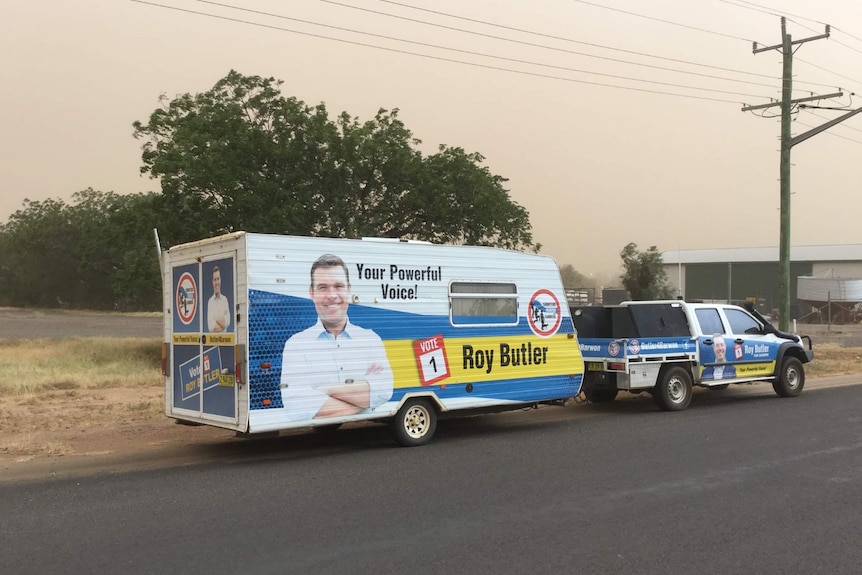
415, 422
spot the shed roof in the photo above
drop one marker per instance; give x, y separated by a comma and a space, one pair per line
827, 253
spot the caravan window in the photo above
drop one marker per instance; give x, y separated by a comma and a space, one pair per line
477, 303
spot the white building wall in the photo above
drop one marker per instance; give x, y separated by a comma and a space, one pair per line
676, 278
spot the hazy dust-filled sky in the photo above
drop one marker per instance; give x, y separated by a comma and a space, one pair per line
615, 121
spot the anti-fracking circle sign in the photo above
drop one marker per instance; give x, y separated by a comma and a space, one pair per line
544, 314
187, 298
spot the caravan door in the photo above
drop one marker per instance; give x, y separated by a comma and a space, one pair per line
204, 337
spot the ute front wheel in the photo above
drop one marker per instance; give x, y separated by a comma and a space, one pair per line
673, 390
791, 378
415, 422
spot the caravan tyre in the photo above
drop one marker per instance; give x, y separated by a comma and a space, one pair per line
673, 390
415, 422
791, 378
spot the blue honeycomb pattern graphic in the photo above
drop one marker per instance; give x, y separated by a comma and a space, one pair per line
272, 318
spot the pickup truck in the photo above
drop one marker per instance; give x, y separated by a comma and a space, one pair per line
666, 347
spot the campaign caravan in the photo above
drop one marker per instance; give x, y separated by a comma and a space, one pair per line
266, 333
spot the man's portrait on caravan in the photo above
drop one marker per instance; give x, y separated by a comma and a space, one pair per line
218, 308
334, 368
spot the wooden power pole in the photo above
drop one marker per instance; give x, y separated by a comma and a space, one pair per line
787, 142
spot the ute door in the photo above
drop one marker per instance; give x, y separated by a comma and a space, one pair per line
715, 365
753, 351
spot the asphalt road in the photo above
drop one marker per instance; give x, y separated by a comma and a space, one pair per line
742, 482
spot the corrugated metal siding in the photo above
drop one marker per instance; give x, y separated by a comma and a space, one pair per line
709, 281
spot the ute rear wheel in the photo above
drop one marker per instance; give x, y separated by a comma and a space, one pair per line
415, 422
791, 378
597, 388
673, 390
600, 395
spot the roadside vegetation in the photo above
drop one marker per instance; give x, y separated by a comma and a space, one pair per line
54, 387
36, 366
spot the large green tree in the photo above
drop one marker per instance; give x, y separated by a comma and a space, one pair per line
644, 276
242, 156
97, 253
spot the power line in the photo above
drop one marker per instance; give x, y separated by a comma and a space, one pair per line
664, 21
765, 10
822, 117
761, 9
828, 132
827, 70
438, 58
553, 37
847, 46
511, 28
484, 55
857, 38
839, 42
772, 11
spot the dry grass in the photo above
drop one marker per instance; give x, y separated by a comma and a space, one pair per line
41, 365
81, 312
832, 359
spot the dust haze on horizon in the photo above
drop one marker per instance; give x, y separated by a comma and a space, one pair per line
615, 121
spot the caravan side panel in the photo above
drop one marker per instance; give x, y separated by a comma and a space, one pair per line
469, 326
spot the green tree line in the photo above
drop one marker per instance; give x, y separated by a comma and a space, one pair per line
242, 156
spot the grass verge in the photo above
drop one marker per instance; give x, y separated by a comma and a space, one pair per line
34, 366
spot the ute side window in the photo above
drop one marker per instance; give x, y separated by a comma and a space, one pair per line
483, 303
709, 320
741, 322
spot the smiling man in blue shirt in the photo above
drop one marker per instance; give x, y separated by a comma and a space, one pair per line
334, 368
